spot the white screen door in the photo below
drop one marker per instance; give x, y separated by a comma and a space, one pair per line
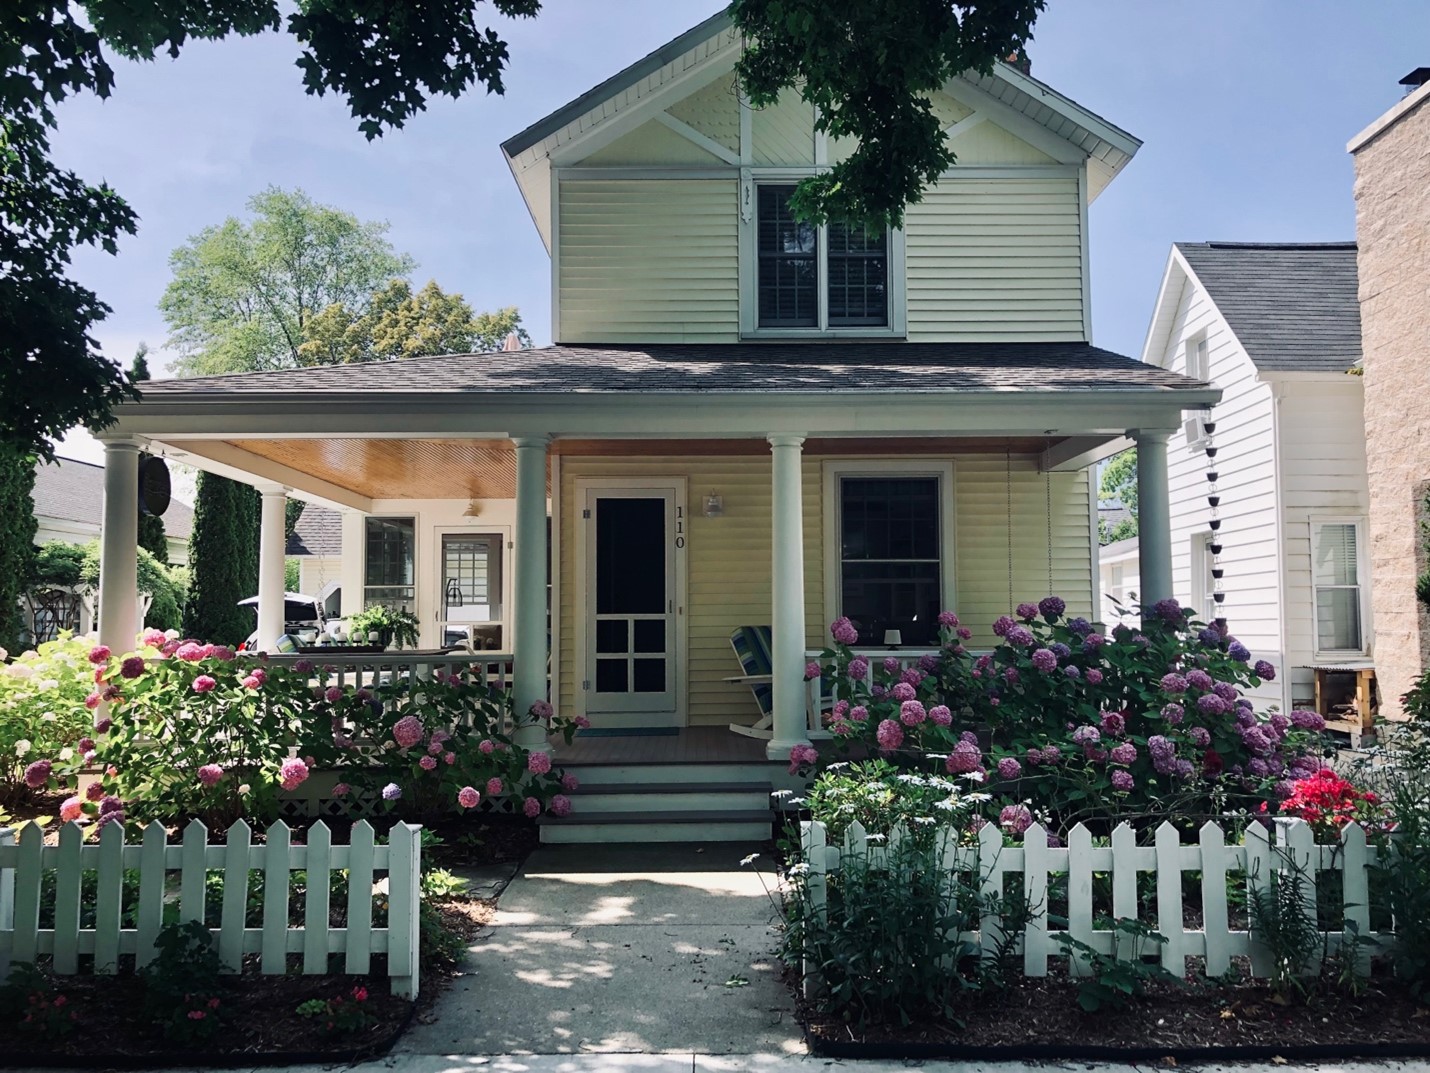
631, 664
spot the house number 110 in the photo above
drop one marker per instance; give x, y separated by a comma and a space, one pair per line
679, 528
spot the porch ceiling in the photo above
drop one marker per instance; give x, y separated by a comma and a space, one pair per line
381, 468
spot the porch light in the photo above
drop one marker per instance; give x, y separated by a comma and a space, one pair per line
714, 506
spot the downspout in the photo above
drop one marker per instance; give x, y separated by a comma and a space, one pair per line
1277, 391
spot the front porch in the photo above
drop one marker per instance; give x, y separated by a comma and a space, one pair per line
610, 542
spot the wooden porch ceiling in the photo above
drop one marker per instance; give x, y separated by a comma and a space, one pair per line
486, 469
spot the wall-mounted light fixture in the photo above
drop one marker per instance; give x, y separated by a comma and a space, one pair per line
714, 506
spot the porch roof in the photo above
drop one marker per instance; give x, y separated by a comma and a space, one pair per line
852, 367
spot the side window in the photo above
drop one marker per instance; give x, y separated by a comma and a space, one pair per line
389, 561
1196, 364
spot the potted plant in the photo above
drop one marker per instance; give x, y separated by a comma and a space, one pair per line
390, 624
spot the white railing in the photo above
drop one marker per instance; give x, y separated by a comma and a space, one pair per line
381, 668
1252, 863
29, 869
817, 702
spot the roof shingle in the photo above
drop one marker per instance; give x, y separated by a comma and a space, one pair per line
319, 532
1293, 306
74, 491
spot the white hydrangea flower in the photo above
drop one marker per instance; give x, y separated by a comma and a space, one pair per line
49, 717
23, 746
171, 635
4, 655
66, 753
48, 684
244, 788
20, 671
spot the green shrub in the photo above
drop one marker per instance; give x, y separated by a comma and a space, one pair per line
33, 1004
1115, 980
183, 996
43, 716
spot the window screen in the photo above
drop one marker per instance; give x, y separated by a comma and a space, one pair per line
890, 564
388, 562
1336, 573
858, 276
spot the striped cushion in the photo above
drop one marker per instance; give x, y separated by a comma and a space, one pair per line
752, 646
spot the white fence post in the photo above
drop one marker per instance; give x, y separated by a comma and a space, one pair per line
315, 905
1035, 893
814, 849
991, 867
235, 897
1124, 884
1355, 890
1080, 896
276, 881
108, 905
1169, 899
404, 877
1215, 926
1259, 865
7, 899
68, 875
360, 860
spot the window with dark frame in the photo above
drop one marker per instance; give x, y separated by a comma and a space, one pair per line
855, 265
890, 557
388, 564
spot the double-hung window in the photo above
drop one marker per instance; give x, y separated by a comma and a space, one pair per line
890, 561
1197, 365
817, 278
388, 562
1336, 576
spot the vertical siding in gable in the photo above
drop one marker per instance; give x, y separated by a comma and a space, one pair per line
996, 259
645, 261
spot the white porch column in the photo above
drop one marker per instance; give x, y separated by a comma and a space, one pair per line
119, 547
787, 597
271, 546
352, 569
529, 645
1154, 517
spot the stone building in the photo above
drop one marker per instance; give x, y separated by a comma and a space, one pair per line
1392, 194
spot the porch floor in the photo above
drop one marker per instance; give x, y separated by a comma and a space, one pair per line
690, 745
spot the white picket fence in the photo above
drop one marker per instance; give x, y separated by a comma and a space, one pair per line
179, 873
1257, 857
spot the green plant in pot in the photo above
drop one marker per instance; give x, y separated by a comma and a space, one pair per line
388, 623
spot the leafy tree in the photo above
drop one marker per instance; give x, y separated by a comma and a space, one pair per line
1119, 482
243, 293
397, 323
223, 560
387, 57
17, 537
869, 66
166, 586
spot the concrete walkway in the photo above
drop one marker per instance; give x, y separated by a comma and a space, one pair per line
636, 950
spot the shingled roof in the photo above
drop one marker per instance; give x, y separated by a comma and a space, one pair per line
854, 367
319, 532
73, 491
1293, 306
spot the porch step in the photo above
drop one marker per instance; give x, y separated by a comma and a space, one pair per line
718, 802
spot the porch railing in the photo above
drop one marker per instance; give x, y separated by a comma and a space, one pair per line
819, 699
383, 668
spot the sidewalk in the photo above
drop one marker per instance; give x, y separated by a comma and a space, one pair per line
640, 949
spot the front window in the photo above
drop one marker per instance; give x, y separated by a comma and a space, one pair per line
797, 261
889, 558
388, 567
1335, 568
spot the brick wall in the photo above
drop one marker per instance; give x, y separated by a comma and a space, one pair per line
1392, 194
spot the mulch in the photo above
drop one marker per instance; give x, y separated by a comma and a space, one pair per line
1041, 1018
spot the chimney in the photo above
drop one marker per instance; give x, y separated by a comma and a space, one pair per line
1415, 79
1018, 60
512, 342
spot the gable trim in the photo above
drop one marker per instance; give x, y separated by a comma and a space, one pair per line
701, 141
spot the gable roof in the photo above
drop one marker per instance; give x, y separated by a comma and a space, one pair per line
1294, 306
73, 491
319, 532
861, 368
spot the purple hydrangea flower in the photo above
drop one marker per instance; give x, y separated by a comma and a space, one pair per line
1051, 754
1093, 641
969, 737
891, 664
1093, 676
902, 691
1015, 818
1173, 713
843, 631
948, 620
914, 675
1113, 722
940, 715
1199, 679
1052, 606
1072, 672
1201, 737
1010, 675
1026, 611
1086, 735
858, 669
889, 735
1226, 691
1020, 636
964, 759
1304, 720
912, 713
1209, 637
1238, 651
1125, 753
1211, 704
1122, 780
1264, 670
1009, 768
1080, 627
1002, 624
391, 792
1045, 660
1035, 757
1173, 683
1169, 611
1182, 769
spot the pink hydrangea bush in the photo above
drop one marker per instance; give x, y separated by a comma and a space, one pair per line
44, 711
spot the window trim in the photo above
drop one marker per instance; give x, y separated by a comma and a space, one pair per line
1192, 420
834, 470
505, 584
1200, 576
897, 328
1316, 523
414, 518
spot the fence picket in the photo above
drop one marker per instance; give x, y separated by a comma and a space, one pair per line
1299, 854
1080, 896
69, 873
1124, 883
1035, 892
856, 840
359, 939
275, 899
1259, 865
812, 836
235, 897
403, 901
7, 899
991, 868
315, 915
1355, 889
27, 893
1169, 898
193, 872
1214, 908
109, 899
152, 876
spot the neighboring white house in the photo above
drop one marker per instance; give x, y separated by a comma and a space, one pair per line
1276, 327
317, 544
1121, 587
69, 496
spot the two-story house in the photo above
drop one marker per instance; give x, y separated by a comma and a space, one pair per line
745, 420
1276, 328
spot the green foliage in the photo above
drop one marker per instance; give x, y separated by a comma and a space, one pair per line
1283, 924
399, 626
1115, 980
396, 323
223, 560
182, 991
166, 585
1119, 481
881, 796
33, 1004
58, 564
292, 574
17, 509
868, 66
42, 710
341, 1015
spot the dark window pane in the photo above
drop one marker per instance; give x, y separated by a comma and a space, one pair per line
650, 637
788, 283
630, 556
611, 676
390, 544
611, 637
858, 277
892, 596
650, 676
890, 570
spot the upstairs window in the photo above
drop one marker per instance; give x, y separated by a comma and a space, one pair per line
1197, 365
817, 278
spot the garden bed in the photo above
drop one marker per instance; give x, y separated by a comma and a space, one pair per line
1041, 1018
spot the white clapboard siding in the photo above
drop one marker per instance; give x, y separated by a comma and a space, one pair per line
25, 860
989, 862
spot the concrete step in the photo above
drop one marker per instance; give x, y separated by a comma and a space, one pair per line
702, 825
686, 775
658, 799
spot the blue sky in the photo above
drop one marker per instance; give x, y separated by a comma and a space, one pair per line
1244, 106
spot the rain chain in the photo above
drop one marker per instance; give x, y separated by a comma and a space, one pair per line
1214, 546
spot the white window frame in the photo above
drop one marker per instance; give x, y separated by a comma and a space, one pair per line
897, 328
1197, 364
835, 470
1362, 584
1201, 583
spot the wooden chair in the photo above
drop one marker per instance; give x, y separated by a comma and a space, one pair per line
752, 645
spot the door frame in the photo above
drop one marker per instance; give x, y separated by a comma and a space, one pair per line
439, 563
582, 487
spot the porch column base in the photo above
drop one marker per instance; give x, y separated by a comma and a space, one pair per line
787, 597
530, 648
119, 547
271, 548
1154, 518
